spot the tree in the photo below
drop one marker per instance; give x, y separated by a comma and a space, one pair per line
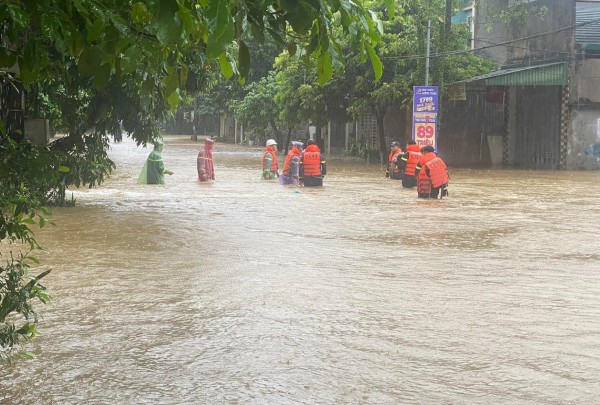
25, 172
257, 109
298, 95
402, 51
356, 91
217, 95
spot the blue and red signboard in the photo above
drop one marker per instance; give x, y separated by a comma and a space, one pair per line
425, 112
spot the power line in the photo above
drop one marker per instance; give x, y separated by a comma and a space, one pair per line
463, 51
535, 50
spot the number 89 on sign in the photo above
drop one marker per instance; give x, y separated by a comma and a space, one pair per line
425, 133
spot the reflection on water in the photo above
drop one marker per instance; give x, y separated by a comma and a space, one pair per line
245, 291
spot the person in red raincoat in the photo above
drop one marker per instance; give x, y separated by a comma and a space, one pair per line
206, 169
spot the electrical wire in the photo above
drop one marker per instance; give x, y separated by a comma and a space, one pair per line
535, 50
505, 43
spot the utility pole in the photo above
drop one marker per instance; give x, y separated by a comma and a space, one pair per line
428, 46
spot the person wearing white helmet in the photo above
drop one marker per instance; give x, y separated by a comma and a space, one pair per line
270, 166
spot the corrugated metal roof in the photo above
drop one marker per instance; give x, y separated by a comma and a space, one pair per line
588, 34
550, 74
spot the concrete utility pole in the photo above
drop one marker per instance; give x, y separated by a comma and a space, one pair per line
427, 59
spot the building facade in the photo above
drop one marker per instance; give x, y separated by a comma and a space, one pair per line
541, 109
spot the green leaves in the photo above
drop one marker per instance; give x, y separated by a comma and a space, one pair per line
89, 60
95, 30
301, 13
129, 60
375, 62
14, 13
140, 13
171, 81
17, 295
169, 26
226, 66
391, 7
243, 59
221, 28
324, 67
101, 76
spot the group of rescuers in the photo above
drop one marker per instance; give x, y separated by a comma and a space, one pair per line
420, 167
415, 166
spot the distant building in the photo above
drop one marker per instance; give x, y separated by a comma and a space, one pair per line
466, 14
541, 110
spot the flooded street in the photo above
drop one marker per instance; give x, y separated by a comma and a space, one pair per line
248, 292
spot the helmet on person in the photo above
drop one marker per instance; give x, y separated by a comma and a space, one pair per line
395, 144
297, 144
271, 142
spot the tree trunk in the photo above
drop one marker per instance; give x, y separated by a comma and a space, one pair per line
289, 139
381, 137
448, 19
275, 131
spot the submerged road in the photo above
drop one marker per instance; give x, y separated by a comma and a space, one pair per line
248, 292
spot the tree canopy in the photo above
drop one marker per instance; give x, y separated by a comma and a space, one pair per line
143, 50
356, 90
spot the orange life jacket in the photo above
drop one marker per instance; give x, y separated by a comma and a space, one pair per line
392, 160
423, 185
411, 162
311, 161
426, 158
288, 160
437, 171
423, 181
274, 164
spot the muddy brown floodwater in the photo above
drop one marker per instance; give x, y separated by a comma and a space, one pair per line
248, 292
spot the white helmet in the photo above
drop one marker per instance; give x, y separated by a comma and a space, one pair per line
271, 142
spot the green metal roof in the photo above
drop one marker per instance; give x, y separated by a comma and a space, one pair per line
551, 74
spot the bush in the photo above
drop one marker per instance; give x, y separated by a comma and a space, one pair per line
364, 151
18, 320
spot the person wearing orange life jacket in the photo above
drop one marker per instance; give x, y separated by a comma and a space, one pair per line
432, 175
312, 165
393, 172
407, 163
270, 166
291, 167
